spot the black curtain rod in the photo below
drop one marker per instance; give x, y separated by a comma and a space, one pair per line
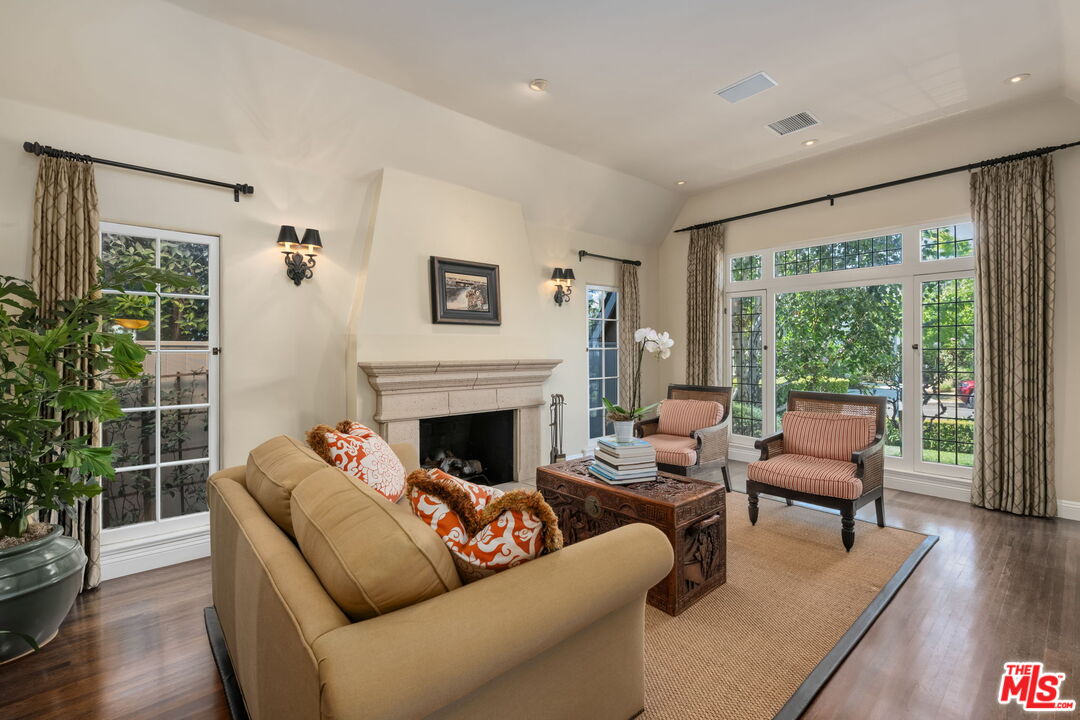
38, 149
582, 254
881, 186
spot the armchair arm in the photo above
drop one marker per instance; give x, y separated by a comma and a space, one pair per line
644, 428
543, 602
712, 442
870, 464
770, 446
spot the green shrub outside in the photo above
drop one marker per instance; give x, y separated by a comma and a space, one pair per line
828, 385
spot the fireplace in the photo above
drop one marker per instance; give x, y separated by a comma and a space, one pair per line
478, 446
503, 401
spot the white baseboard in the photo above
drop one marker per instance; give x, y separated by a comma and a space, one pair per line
935, 485
137, 555
1069, 510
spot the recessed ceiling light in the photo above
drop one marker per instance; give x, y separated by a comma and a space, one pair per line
680, 182
1019, 78
539, 85
808, 143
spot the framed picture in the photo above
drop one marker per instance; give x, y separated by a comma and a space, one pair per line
464, 293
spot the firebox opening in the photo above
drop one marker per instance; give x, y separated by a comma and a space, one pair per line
478, 447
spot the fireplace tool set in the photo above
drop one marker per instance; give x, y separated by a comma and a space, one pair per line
558, 403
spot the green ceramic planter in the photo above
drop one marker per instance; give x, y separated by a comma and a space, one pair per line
39, 581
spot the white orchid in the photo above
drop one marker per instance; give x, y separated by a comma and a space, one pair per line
659, 343
664, 344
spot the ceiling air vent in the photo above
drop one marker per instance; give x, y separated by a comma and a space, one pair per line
758, 82
798, 121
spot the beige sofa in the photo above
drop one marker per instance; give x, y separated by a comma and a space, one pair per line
558, 637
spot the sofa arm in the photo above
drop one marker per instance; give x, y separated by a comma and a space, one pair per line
408, 455
448, 646
236, 473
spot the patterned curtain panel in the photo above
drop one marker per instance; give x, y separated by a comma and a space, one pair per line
65, 266
704, 299
1013, 209
629, 321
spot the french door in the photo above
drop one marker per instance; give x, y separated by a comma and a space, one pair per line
910, 340
166, 445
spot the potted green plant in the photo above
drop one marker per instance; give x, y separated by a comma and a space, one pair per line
646, 340
56, 368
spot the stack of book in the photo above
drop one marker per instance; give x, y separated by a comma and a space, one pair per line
622, 463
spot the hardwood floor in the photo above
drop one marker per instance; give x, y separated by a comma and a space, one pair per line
134, 648
995, 588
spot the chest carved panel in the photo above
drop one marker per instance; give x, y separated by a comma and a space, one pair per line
691, 513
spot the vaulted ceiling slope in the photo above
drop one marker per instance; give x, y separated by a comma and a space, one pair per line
632, 82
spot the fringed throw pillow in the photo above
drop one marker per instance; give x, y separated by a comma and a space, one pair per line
361, 453
486, 529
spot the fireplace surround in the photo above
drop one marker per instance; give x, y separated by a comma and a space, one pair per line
406, 392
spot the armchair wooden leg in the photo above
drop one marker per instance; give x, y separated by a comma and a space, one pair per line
727, 479
879, 505
752, 500
847, 526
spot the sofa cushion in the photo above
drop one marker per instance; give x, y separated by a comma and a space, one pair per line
826, 435
804, 473
674, 449
372, 556
273, 470
486, 529
360, 452
682, 417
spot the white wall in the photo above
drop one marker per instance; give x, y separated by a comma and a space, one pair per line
394, 317
146, 82
956, 141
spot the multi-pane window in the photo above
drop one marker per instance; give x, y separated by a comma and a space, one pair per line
164, 446
894, 324
947, 242
843, 340
602, 308
848, 255
746, 364
948, 371
745, 268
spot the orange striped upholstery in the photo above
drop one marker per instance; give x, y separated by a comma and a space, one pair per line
682, 417
826, 435
813, 475
673, 449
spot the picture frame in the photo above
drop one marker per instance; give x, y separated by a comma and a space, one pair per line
464, 292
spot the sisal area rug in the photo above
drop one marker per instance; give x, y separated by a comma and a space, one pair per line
763, 644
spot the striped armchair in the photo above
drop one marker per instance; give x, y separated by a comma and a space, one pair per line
831, 453
692, 430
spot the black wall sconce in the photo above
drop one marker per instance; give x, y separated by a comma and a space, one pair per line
564, 284
296, 266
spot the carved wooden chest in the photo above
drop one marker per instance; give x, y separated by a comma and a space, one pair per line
690, 512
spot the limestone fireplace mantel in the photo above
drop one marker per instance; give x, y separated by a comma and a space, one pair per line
406, 392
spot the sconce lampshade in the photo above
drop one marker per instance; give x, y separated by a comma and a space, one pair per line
312, 241
558, 275
568, 276
287, 236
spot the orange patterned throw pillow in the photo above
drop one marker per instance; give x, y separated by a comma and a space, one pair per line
486, 529
361, 453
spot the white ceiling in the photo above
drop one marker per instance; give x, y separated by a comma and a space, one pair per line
632, 81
